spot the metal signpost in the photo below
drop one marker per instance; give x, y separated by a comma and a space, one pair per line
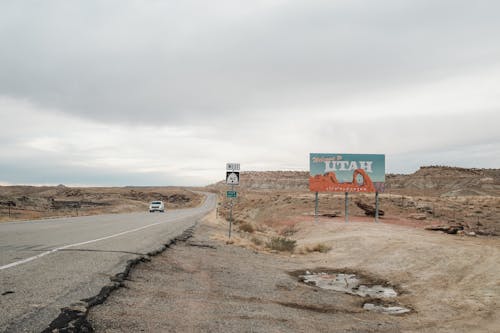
232, 178
316, 210
346, 207
356, 173
9, 204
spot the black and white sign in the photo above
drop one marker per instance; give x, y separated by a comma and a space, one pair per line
232, 177
232, 167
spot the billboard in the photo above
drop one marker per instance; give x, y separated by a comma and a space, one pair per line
347, 172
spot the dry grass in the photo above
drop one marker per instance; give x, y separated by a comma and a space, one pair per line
288, 231
257, 241
282, 244
320, 247
246, 227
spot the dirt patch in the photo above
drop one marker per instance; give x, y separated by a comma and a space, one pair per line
206, 285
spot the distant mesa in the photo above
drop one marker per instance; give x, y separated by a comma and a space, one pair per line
428, 180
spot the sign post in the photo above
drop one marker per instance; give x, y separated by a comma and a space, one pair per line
232, 178
346, 207
316, 209
231, 215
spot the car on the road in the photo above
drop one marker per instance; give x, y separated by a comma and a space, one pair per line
157, 206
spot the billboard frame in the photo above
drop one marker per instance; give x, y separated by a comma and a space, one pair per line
331, 172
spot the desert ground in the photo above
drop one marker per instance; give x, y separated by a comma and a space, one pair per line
443, 281
430, 264
33, 202
449, 283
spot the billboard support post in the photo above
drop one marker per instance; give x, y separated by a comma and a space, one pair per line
346, 207
376, 206
316, 209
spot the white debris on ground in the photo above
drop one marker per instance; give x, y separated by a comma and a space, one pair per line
347, 283
385, 309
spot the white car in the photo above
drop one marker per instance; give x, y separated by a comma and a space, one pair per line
157, 206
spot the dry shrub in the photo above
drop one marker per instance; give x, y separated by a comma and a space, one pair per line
246, 227
288, 231
256, 241
320, 247
282, 244
261, 228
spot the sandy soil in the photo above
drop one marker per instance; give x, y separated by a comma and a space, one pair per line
205, 285
38, 202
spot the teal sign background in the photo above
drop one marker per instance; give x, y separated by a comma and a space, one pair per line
343, 165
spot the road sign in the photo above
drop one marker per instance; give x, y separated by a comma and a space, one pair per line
232, 177
232, 167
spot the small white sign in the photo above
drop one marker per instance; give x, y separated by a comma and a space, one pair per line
232, 167
232, 178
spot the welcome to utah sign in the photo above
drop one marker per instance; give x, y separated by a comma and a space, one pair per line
347, 172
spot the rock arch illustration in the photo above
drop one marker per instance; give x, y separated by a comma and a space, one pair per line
329, 183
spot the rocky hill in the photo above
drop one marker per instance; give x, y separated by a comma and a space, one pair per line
447, 198
277, 180
446, 181
428, 181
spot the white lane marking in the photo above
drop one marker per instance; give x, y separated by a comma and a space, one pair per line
23, 261
20, 262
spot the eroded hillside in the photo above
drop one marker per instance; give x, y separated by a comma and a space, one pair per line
465, 200
34, 202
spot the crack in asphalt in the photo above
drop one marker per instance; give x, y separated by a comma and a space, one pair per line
202, 245
73, 319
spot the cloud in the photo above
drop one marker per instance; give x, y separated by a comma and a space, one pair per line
170, 91
193, 62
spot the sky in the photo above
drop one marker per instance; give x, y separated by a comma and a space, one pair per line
129, 92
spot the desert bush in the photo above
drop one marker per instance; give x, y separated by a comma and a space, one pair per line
282, 244
256, 241
322, 248
288, 231
247, 227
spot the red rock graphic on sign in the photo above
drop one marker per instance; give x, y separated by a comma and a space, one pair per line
329, 183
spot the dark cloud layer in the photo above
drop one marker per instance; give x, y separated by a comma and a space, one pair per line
166, 92
196, 61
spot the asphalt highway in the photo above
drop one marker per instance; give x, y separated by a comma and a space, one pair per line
46, 265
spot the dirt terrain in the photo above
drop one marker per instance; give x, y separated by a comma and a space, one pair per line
32, 202
468, 200
449, 283
260, 280
256, 281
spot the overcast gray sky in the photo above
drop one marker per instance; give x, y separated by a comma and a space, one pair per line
166, 92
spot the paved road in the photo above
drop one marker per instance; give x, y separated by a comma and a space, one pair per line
49, 264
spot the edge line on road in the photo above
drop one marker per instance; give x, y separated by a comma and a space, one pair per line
23, 261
